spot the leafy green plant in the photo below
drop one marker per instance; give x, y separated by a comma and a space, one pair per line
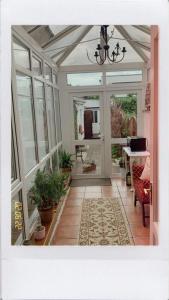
43, 191
59, 183
65, 159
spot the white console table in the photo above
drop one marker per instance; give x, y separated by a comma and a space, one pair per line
132, 157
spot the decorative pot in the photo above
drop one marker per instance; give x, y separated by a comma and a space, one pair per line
46, 215
66, 170
39, 233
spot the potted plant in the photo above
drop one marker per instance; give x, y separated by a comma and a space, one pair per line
65, 161
39, 233
43, 194
59, 184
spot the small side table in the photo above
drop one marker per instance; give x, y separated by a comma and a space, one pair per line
132, 157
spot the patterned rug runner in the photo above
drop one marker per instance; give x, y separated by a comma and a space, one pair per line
103, 223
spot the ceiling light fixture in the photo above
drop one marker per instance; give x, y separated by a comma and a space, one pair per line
102, 53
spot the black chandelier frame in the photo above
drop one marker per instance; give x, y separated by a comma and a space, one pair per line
102, 53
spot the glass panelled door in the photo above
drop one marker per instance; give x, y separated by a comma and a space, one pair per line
88, 135
125, 108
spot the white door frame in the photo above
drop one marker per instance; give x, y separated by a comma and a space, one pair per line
100, 142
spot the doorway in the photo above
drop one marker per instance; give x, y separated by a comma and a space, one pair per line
88, 144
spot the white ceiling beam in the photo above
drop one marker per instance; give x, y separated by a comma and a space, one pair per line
143, 28
143, 46
33, 29
60, 35
58, 53
71, 48
125, 34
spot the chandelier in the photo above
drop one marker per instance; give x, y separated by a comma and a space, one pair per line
102, 52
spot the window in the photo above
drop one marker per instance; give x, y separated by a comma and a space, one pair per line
51, 115
124, 76
24, 94
41, 120
123, 115
36, 67
21, 54
17, 218
48, 73
57, 110
95, 116
55, 161
84, 79
55, 79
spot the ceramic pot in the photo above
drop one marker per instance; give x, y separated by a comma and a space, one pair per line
39, 234
46, 215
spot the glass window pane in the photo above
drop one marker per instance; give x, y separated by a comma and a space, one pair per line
55, 161
21, 54
51, 114
57, 110
123, 115
36, 66
17, 218
41, 120
55, 79
31, 205
87, 117
84, 79
24, 86
48, 73
124, 76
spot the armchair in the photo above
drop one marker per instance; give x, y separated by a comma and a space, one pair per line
140, 187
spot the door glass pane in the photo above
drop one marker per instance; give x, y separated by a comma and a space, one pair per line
123, 115
118, 166
17, 218
36, 66
24, 86
86, 117
88, 160
48, 73
51, 114
41, 120
58, 118
21, 54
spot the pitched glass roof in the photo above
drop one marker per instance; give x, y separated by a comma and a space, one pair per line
76, 44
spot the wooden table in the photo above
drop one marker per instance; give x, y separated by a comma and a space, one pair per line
133, 156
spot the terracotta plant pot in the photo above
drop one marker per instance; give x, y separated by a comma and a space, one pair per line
46, 215
66, 170
39, 233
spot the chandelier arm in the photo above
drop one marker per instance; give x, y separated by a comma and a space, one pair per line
115, 61
101, 62
120, 59
93, 62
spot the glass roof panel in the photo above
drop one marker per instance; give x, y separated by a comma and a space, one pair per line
68, 40
138, 35
56, 29
79, 55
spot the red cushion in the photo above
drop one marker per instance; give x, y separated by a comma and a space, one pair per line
139, 186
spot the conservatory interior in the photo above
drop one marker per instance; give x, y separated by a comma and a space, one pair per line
83, 141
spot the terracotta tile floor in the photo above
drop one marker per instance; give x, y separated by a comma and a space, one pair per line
68, 229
